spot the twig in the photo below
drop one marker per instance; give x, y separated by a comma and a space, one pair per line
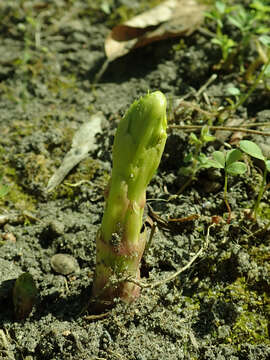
101, 71
12, 218
96, 317
196, 94
79, 183
222, 128
144, 285
6, 345
204, 86
266, 123
259, 231
193, 106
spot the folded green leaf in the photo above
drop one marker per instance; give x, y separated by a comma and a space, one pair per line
251, 149
220, 159
233, 156
214, 164
237, 168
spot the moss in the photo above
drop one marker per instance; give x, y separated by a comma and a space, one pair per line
264, 211
62, 86
17, 197
251, 324
250, 327
36, 168
261, 255
85, 171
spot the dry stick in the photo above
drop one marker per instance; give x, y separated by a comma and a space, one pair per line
259, 231
199, 92
193, 106
97, 317
222, 128
101, 71
204, 86
267, 123
143, 285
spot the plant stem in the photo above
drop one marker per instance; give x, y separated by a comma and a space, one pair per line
225, 198
252, 88
261, 191
193, 172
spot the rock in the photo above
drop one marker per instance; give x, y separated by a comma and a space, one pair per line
64, 264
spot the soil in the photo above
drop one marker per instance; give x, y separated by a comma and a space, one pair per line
219, 308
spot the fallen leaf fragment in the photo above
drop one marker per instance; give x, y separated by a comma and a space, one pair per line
82, 142
171, 18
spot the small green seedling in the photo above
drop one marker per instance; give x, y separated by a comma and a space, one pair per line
252, 149
226, 44
24, 295
231, 165
245, 21
252, 25
196, 159
218, 13
138, 146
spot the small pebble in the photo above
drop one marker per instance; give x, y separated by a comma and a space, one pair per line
64, 264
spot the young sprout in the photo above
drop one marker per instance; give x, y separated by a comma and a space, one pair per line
24, 295
138, 145
252, 149
231, 165
218, 14
196, 159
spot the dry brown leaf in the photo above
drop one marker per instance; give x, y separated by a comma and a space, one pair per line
170, 19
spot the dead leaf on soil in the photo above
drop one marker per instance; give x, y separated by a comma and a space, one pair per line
171, 18
82, 142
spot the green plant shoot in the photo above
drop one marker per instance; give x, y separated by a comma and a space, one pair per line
231, 165
251, 24
138, 146
252, 149
24, 295
196, 159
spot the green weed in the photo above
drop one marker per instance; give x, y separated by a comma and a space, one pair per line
251, 28
229, 162
252, 149
196, 159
